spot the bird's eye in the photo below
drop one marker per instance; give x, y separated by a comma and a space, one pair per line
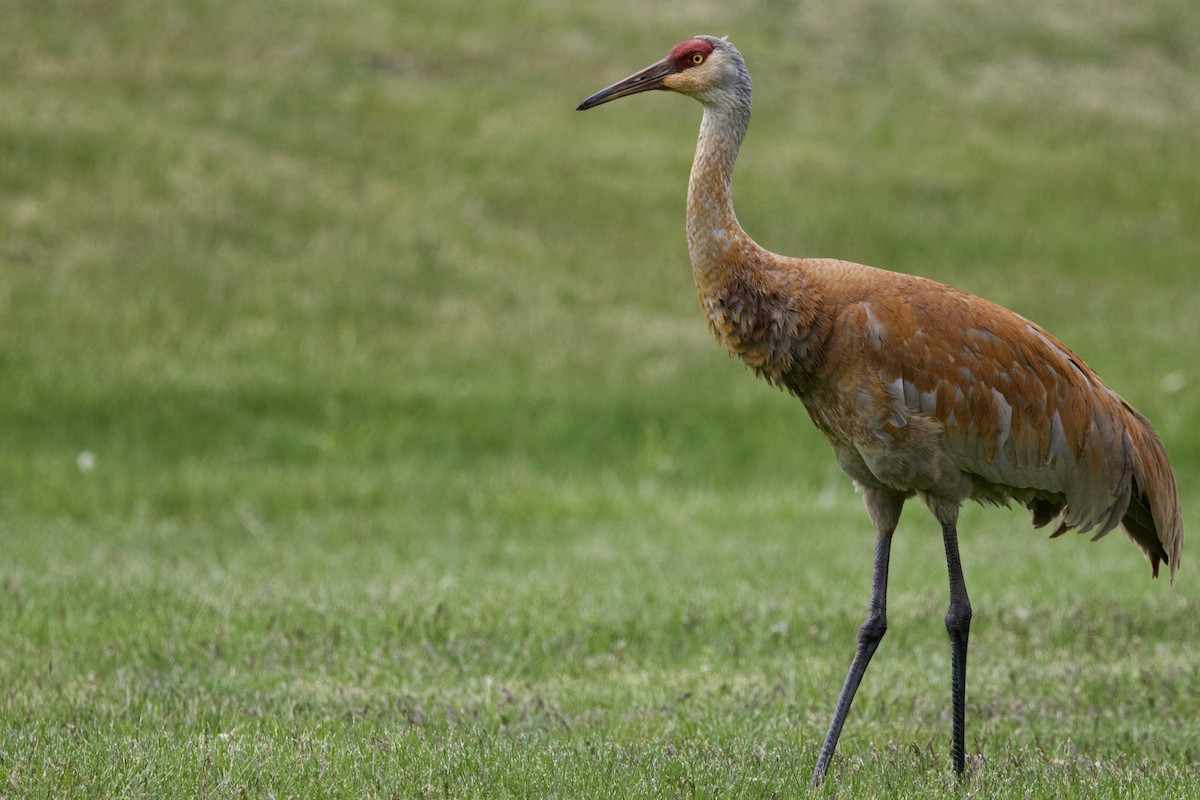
697, 58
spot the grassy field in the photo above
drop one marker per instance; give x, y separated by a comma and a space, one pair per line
360, 435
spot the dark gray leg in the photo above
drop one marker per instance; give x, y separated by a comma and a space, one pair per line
884, 511
958, 625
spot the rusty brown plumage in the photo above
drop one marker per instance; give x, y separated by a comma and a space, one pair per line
897, 370
921, 389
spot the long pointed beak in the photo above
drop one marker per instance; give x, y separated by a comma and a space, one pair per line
649, 78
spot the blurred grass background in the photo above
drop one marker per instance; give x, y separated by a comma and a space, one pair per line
360, 433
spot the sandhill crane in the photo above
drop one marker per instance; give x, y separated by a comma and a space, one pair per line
920, 389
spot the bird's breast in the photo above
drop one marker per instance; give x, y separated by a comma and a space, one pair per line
766, 327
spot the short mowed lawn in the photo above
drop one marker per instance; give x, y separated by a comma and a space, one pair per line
360, 435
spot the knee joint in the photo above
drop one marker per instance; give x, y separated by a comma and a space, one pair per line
873, 629
958, 618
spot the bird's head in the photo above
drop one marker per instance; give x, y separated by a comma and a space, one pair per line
704, 67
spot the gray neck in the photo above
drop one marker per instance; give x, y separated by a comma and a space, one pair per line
714, 236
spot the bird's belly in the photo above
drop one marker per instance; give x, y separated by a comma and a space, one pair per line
878, 450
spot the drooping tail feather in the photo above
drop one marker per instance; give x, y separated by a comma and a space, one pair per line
1145, 496
1153, 520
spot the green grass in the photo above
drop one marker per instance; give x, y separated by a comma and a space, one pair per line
415, 472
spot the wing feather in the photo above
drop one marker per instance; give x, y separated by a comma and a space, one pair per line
1004, 403
1019, 412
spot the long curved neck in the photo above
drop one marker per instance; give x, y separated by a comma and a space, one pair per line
716, 242
765, 313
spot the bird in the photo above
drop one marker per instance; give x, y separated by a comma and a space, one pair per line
921, 390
